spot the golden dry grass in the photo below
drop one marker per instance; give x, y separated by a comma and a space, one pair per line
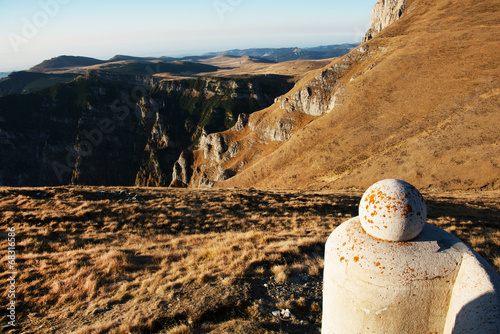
120, 260
95, 260
422, 105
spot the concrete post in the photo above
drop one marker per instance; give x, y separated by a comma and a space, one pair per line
388, 271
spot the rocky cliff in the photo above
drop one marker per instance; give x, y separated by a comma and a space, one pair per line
384, 13
107, 128
419, 101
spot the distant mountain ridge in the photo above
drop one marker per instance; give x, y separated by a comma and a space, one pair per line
66, 62
286, 54
65, 68
128, 58
267, 54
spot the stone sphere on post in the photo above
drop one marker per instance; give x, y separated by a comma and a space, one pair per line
392, 210
388, 271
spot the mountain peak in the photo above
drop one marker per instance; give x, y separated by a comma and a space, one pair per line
65, 62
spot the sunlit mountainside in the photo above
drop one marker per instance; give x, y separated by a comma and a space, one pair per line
418, 102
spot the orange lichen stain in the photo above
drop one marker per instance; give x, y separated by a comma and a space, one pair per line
374, 213
385, 226
342, 259
371, 198
408, 209
344, 243
356, 258
377, 264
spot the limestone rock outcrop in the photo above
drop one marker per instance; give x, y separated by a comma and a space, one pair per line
318, 96
182, 170
128, 79
384, 13
213, 147
280, 131
240, 123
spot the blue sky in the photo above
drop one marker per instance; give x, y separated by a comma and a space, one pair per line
34, 30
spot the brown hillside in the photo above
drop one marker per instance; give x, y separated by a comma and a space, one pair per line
421, 105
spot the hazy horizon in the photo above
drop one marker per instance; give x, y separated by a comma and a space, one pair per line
33, 31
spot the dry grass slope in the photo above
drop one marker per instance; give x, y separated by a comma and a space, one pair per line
120, 260
425, 109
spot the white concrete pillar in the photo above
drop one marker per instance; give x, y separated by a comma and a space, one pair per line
388, 271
